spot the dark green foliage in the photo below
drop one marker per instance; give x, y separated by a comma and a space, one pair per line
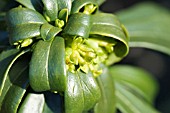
35, 72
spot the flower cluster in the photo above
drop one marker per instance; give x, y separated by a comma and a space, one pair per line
89, 36
87, 54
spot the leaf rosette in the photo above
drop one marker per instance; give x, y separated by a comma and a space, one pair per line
69, 39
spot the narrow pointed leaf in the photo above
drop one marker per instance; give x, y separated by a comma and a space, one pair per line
15, 87
107, 102
49, 71
148, 25
127, 102
137, 80
7, 59
110, 29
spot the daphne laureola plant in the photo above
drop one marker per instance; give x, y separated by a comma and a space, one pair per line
59, 57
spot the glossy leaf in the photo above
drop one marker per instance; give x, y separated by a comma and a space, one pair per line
27, 3
48, 31
136, 79
127, 102
65, 4
77, 6
33, 103
16, 16
45, 102
22, 27
79, 24
148, 26
32, 4
22, 32
82, 92
110, 29
15, 86
107, 102
7, 59
74, 101
51, 9
63, 15
49, 71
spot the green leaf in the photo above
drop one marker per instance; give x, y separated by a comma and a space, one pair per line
22, 27
25, 31
65, 4
32, 4
16, 16
127, 102
137, 80
15, 85
7, 59
110, 29
45, 102
82, 92
77, 6
148, 26
26, 3
63, 15
79, 24
48, 31
74, 101
107, 102
51, 9
47, 66
33, 103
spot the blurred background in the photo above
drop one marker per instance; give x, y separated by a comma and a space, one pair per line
155, 62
